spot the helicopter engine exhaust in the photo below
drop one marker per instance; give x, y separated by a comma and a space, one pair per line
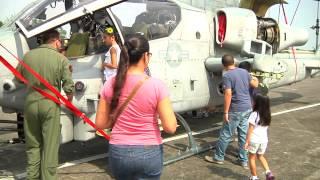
241, 30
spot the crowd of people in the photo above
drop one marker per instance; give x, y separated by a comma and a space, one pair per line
130, 104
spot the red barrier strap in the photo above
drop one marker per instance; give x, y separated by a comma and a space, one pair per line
61, 100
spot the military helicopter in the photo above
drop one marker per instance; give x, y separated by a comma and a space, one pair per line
187, 39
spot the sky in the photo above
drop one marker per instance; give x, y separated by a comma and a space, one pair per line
305, 17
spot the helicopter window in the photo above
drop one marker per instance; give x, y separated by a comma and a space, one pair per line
154, 19
81, 36
47, 10
86, 34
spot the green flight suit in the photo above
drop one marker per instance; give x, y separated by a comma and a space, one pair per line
42, 116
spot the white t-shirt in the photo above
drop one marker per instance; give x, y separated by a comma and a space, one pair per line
260, 133
107, 71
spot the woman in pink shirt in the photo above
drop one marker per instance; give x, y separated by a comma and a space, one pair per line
135, 150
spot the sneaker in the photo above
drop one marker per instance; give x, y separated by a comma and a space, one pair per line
269, 176
212, 160
252, 178
244, 165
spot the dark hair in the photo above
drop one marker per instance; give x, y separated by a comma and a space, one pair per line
50, 35
262, 107
245, 65
132, 51
227, 60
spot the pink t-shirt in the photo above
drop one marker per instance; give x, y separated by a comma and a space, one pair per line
137, 124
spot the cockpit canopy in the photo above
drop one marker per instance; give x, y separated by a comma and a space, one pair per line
155, 19
85, 21
45, 11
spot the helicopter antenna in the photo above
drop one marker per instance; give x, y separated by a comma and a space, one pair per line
295, 12
317, 27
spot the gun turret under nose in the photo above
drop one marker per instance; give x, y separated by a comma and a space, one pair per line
9, 86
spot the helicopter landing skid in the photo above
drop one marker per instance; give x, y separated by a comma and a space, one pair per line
192, 149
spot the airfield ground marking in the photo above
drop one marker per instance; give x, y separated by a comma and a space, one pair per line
80, 161
295, 109
71, 163
104, 155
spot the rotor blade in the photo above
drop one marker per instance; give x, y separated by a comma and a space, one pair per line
260, 7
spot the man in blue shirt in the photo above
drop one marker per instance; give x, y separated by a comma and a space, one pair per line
237, 108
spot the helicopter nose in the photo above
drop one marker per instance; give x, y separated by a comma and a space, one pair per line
12, 45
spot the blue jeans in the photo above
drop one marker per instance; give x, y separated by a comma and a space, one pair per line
136, 162
239, 121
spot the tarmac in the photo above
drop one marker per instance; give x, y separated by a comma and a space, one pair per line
293, 150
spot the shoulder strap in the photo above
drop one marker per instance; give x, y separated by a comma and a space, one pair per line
256, 118
132, 94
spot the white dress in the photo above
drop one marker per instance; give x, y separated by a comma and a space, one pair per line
108, 72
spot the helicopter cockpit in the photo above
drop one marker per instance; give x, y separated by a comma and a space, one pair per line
154, 19
80, 30
81, 23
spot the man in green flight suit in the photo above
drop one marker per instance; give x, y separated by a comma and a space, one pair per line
42, 116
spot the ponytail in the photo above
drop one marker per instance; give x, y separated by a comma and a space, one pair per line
131, 53
120, 77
